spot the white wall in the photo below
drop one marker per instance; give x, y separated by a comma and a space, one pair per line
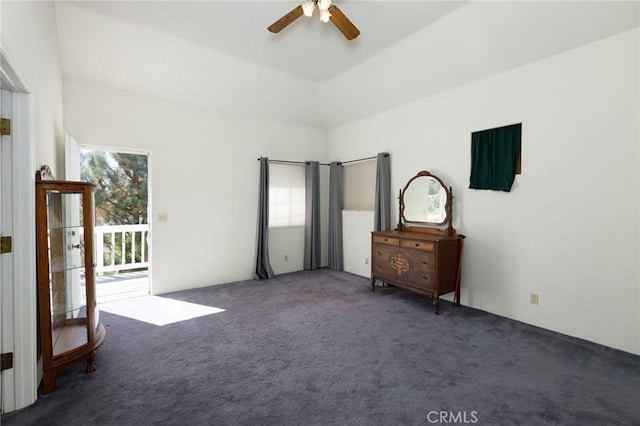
204, 175
287, 242
474, 41
356, 241
30, 39
569, 228
118, 54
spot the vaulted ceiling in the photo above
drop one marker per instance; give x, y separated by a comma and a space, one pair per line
219, 54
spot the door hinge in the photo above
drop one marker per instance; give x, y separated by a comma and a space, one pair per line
5, 245
5, 127
7, 361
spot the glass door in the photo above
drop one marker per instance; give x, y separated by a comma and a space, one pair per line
67, 289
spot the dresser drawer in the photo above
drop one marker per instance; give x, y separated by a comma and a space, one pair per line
382, 267
422, 261
418, 245
379, 239
417, 263
382, 252
421, 280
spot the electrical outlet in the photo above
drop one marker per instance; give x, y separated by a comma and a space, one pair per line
286, 257
533, 298
366, 260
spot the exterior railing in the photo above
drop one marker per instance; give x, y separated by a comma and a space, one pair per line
121, 248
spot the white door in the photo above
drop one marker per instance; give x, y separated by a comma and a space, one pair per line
75, 283
6, 260
18, 385
71, 158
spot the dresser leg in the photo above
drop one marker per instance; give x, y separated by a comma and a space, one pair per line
460, 246
373, 284
436, 305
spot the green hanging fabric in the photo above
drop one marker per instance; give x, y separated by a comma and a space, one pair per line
494, 154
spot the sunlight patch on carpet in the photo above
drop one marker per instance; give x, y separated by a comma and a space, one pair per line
157, 310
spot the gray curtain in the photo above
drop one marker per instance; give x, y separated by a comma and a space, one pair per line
312, 215
335, 217
382, 213
263, 269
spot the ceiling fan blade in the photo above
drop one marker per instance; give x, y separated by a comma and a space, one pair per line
281, 23
343, 23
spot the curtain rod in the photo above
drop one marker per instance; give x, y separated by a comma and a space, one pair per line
292, 162
359, 159
323, 164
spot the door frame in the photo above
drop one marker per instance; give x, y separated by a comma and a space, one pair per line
70, 140
20, 388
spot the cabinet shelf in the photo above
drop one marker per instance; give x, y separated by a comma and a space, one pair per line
72, 313
56, 269
65, 226
69, 337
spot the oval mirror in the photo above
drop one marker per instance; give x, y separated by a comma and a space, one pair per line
425, 200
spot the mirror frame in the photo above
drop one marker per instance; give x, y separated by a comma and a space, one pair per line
406, 225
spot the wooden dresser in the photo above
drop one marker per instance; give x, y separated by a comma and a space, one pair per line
420, 258
423, 263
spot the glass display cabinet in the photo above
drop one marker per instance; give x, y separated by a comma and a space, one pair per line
70, 330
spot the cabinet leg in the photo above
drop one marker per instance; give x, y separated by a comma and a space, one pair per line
49, 382
373, 284
90, 365
436, 305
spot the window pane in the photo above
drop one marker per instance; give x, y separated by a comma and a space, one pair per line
359, 185
286, 195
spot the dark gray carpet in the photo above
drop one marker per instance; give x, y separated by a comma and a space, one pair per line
318, 348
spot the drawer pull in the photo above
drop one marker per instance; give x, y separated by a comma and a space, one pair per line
425, 263
386, 239
378, 253
424, 277
417, 244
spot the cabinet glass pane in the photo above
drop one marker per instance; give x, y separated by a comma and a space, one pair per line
66, 266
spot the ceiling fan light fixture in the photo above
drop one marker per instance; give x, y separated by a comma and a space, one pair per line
328, 12
324, 5
325, 15
308, 8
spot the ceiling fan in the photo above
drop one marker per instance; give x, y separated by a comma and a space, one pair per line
328, 12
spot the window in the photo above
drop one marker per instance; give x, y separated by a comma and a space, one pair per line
286, 195
359, 185
495, 157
